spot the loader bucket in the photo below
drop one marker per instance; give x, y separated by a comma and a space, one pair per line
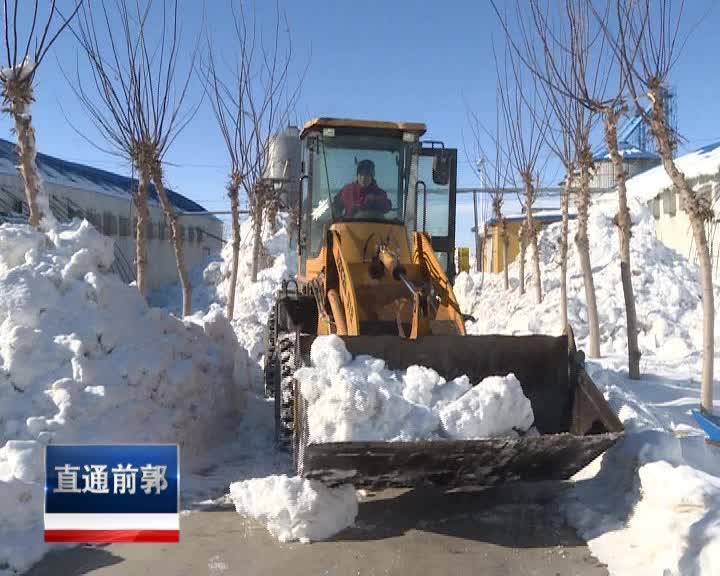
575, 422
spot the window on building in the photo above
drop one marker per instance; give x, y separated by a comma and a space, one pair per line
669, 201
162, 231
124, 226
150, 230
181, 232
18, 206
94, 218
134, 228
199, 235
191, 234
109, 226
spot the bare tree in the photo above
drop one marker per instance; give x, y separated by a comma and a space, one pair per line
252, 101
138, 103
553, 74
579, 64
493, 170
17, 78
559, 137
519, 101
648, 44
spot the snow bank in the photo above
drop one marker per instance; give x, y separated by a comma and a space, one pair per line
649, 505
253, 300
360, 399
83, 358
293, 508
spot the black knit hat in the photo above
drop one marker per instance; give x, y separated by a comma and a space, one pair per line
366, 167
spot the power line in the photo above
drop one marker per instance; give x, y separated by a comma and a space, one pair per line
543, 191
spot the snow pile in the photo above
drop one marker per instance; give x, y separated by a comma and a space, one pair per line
253, 300
645, 511
293, 508
649, 505
204, 280
495, 407
83, 358
659, 275
360, 399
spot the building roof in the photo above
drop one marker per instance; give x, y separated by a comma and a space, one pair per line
627, 151
76, 175
363, 125
546, 216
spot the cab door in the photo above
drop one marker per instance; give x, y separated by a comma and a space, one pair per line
435, 209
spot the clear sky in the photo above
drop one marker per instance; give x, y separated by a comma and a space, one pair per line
393, 60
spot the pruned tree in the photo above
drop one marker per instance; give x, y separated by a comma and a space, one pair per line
22, 59
647, 41
137, 103
252, 100
566, 116
525, 44
492, 169
520, 100
579, 63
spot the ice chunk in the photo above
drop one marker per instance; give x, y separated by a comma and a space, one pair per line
293, 508
495, 407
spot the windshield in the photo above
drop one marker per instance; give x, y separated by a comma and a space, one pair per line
358, 178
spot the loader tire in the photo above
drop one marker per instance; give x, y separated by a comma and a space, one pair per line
283, 390
270, 362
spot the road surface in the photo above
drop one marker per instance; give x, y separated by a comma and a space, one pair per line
513, 530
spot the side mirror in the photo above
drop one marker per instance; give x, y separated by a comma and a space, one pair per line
441, 169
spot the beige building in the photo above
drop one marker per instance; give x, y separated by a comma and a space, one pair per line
105, 200
672, 225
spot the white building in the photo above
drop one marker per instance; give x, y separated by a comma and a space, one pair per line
672, 225
105, 199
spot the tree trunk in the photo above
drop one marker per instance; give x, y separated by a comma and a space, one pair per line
523, 246
531, 234
177, 240
233, 192
564, 204
257, 223
506, 245
623, 222
37, 200
583, 246
143, 217
698, 213
478, 239
536, 265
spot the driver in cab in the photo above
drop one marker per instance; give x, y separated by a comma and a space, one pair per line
363, 195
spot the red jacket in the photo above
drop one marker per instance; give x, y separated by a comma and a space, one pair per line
354, 197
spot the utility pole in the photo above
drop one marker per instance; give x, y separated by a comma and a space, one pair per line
476, 229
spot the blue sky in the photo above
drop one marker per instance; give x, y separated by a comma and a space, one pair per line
394, 60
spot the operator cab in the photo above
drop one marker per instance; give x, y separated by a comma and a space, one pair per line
369, 171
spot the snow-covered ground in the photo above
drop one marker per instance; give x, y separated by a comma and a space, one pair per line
650, 505
83, 358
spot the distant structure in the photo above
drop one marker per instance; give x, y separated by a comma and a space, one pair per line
284, 164
492, 245
636, 145
105, 200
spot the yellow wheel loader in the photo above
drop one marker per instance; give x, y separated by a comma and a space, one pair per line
375, 234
